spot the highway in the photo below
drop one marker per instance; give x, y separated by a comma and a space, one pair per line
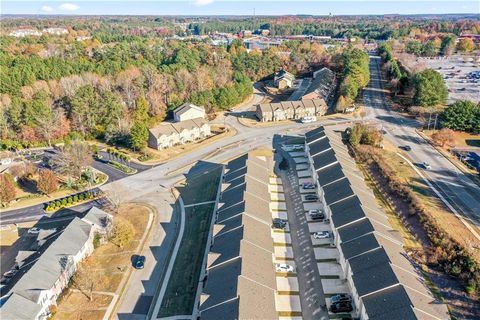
462, 193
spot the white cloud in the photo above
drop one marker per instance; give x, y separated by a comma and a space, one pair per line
47, 9
203, 2
69, 7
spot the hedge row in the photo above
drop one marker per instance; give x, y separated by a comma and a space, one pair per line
69, 201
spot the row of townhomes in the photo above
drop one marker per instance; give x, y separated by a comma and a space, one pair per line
38, 289
240, 281
384, 282
189, 125
287, 110
312, 101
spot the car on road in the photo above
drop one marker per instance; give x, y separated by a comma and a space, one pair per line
308, 185
34, 230
321, 235
341, 307
311, 197
406, 148
278, 223
343, 297
283, 267
426, 165
140, 262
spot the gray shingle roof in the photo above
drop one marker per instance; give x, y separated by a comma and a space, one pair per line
392, 303
48, 268
19, 308
319, 146
359, 245
337, 191
356, 229
330, 174
346, 211
323, 159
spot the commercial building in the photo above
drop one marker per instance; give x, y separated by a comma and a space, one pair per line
38, 289
385, 283
240, 281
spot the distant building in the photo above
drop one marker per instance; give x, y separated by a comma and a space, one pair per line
290, 110
56, 31
188, 111
283, 79
39, 288
20, 33
170, 134
245, 34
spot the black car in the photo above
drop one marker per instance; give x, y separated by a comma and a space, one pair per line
406, 148
279, 223
341, 298
140, 262
341, 307
311, 197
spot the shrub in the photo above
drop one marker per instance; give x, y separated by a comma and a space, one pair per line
75, 198
69, 200
64, 202
81, 197
58, 203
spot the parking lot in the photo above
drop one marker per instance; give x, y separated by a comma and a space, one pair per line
307, 211
458, 72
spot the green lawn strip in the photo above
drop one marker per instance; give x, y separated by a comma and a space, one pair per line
202, 185
121, 167
180, 294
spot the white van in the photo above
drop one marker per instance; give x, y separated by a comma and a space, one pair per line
309, 119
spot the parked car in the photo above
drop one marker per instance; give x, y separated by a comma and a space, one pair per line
34, 230
406, 148
283, 267
10, 273
279, 223
426, 165
341, 307
298, 147
308, 185
343, 297
140, 262
311, 197
309, 119
321, 235
316, 214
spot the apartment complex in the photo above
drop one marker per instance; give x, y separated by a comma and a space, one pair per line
283, 79
321, 86
290, 110
38, 289
240, 281
189, 125
385, 283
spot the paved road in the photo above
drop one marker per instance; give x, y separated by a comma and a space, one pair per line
312, 297
462, 193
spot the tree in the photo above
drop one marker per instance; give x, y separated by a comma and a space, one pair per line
84, 281
74, 158
122, 232
47, 182
448, 45
116, 196
430, 89
462, 116
465, 45
444, 136
7, 190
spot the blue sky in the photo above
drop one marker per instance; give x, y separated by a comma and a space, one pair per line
232, 7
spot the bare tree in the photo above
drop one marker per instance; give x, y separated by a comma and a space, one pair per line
74, 158
116, 195
84, 281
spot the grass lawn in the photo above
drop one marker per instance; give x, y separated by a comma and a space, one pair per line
461, 139
76, 305
107, 265
181, 290
201, 184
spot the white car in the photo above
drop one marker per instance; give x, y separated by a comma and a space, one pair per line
321, 235
298, 147
426, 165
309, 119
34, 230
283, 267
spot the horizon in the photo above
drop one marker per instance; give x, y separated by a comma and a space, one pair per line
198, 8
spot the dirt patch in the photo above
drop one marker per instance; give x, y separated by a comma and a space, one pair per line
75, 305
